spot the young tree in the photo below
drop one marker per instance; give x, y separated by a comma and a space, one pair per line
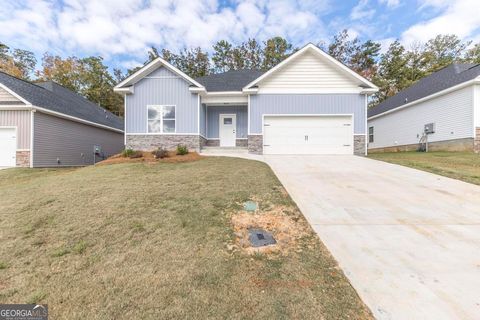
253, 56
17, 62
391, 72
194, 62
275, 51
364, 59
473, 54
66, 72
342, 48
222, 57
443, 50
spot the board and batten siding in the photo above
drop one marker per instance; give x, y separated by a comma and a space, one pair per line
476, 102
307, 104
308, 73
20, 119
71, 142
203, 120
213, 119
452, 114
7, 98
162, 87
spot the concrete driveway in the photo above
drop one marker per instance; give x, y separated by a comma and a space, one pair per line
408, 240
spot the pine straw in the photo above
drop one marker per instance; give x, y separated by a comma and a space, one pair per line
148, 157
284, 222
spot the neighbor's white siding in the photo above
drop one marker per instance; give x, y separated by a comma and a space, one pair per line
477, 105
7, 97
452, 114
308, 73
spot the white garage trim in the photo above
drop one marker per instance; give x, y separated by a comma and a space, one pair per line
16, 142
305, 115
287, 142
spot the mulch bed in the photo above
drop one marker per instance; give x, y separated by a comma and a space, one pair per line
148, 157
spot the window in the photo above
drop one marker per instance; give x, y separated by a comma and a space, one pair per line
227, 120
370, 134
161, 119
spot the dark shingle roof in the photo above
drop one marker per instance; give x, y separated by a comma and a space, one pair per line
445, 78
233, 80
54, 97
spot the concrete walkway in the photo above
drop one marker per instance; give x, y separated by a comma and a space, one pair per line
409, 241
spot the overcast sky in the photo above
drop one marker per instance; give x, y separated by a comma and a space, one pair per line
122, 30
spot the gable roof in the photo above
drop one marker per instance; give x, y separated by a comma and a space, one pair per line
150, 67
233, 80
53, 97
448, 77
320, 53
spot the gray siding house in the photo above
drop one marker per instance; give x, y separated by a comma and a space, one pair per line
308, 104
47, 125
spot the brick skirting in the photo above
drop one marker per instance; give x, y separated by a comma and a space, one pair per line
23, 159
169, 142
255, 144
476, 142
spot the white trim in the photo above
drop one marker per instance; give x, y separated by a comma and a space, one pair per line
307, 115
20, 150
151, 66
315, 49
14, 107
366, 124
206, 120
225, 93
196, 90
434, 95
231, 115
14, 94
127, 90
124, 121
474, 102
198, 115
32, 128
163, 134
161, 118
16, 141
62, 115
219, 138
289, 91
248, 116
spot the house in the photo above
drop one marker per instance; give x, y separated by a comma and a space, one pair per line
47, 125
442, 109
308, 104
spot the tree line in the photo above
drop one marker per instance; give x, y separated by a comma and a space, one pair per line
392, 71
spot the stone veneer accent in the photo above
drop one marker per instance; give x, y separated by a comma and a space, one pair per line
359, 145
476, 142
169, 142
454, 145
23, 159
255, 144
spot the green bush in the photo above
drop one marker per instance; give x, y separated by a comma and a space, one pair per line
160, 153
126, 153
182, 149
130, 153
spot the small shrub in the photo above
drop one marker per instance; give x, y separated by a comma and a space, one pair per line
80, 247
136, 154
37, 297
126, 153
3, 265
60, 252
160, 153
182, 150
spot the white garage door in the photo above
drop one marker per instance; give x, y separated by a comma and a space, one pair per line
8, 147
308, 135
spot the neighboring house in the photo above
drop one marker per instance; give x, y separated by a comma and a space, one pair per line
47, 125
448, 101
308, 104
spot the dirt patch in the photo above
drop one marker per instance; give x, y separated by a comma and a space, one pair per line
287, 229
148, 157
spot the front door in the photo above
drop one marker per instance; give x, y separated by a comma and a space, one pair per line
228, 130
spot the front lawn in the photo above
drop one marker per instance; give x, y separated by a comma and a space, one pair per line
155, 241
458, 165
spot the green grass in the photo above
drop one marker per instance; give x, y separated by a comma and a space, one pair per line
150, 241
458, 165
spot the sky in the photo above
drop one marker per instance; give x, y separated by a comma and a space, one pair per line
121, 31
